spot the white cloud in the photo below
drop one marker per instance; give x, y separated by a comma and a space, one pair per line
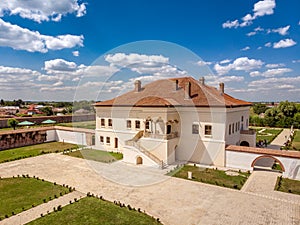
225, 61
39, 10
251, 33
231, 24
62, 41
154, 65
240, 64
203, 63
276, 72
261, 8
269, 44
58, 83
274, 65
264, 7
245, 49
296, 61
59, 65
282, 30
271, 72
122, 59
75, 53
255, 73
274, 82
284, 43
23, 39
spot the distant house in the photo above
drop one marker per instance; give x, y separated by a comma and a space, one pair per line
9, 110
32, 110
179, 119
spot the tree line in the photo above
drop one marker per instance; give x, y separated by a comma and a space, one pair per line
285, 114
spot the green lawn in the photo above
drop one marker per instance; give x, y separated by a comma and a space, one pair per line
96, 155
288, 185
210, 176
296, 141
33, 150
19, 192
84, 124
93, 211
269, 134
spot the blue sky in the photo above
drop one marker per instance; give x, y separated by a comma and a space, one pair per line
48, 48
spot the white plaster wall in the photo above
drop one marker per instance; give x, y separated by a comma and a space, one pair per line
243, 160
234, 115
71, 137
51, 135
130, 155
292, 167
251, 139
66, 136
240, 160
157, 147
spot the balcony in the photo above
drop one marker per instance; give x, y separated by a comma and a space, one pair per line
162, 136
248, 132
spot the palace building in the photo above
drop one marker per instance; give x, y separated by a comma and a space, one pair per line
171, 120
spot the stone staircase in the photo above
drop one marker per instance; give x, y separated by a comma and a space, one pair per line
134, 142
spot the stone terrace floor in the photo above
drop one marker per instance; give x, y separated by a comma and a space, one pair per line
174, 201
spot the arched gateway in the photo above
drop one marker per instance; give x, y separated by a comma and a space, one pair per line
267, 161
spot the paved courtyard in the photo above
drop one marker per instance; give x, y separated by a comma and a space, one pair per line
173, 200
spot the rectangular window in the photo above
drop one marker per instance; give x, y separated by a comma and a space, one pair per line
195, 129
239, 125
147, 125
102, 122
229, 129
236, 127
233, 128
128, 124
101, 139
107, 140
110, 122
207, 130
137, 124
242, 119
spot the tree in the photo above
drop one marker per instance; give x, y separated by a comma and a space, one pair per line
12, 123
47, 110
259, 108
287, 108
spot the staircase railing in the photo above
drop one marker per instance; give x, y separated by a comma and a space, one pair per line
134, 142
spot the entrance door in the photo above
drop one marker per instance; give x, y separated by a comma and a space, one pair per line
116, 142
169, 128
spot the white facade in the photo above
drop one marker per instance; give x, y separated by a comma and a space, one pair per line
163, 135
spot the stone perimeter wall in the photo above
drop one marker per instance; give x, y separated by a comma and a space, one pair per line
32, 136
15, 139
58, 119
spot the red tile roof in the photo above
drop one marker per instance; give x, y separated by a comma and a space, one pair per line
264, 151
163, 93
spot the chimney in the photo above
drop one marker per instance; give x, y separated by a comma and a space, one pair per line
137, 86
176, 85
221, 88
187, 93
202, 80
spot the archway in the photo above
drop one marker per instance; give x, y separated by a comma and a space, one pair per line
268, 161
245, 143
139, 160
